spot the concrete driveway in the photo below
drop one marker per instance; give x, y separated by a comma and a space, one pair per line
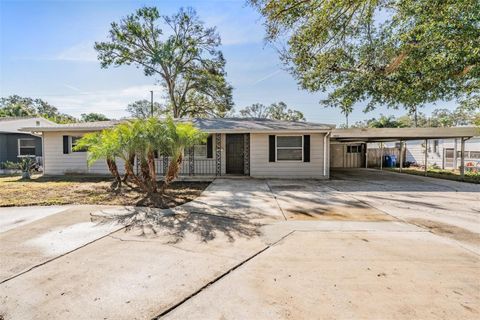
366, 244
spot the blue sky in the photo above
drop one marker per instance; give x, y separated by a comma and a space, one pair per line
46, 51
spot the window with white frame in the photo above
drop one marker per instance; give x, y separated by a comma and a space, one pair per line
26, 147
289, 148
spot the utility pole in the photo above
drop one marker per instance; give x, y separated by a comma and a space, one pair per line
151, 103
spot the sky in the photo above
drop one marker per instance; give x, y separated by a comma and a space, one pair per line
46, 51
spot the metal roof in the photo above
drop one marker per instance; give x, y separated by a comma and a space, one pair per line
217, 125
396, 134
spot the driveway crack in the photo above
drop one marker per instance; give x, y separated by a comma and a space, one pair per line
223, 275
276, 200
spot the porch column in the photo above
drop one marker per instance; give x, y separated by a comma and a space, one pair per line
401, 155
191, 161
165, 164
381, 155
426, 157
366, 155
246, 154
218, 154
455, 151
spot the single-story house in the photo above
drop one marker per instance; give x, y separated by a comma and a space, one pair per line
15, 143
236, 146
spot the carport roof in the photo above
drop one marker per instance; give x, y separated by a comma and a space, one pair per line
396, 134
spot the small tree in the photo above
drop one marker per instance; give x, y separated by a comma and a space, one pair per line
277, 111
142, 109
180, 137
140, 139
102, 145
91, 117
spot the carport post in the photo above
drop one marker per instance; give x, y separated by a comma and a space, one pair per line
462, 158
366, 156
426, 156
381, 155
401, 155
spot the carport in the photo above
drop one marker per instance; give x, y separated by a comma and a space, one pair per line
362, 136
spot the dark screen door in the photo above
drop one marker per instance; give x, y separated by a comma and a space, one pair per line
234, 154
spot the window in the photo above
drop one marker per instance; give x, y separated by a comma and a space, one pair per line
354, 149
74, 143
200, 150
26, 147
475, 154
289, 148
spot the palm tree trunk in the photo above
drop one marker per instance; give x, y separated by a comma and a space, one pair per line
145, 174
151, 171
135, 179
112, 166
131, 161
172, 172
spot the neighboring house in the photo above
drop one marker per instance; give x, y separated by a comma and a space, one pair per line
14, 143
261, 148
443, 153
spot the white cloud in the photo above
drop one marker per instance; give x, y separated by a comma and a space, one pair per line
83, 51
112, 103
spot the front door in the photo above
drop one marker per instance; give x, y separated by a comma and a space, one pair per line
234, 154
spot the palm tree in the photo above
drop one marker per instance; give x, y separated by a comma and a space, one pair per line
140, 139
102, 145
180, 137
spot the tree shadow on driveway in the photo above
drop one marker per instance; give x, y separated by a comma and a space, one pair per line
175, 225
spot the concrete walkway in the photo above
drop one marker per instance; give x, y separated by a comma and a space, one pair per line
276, 249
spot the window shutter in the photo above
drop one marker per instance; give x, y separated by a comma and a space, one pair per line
65, 145
271, 148
306, 148
210, 147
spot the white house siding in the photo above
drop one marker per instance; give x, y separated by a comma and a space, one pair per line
58, 163
260, 167
416, 151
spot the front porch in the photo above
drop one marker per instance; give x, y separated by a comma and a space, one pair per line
222, 155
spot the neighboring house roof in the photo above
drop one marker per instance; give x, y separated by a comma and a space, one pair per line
14, 124
220, 125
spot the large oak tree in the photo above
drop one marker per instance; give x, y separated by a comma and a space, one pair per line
384, 52
181, 51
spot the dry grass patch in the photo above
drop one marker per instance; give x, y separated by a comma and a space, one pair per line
86, 190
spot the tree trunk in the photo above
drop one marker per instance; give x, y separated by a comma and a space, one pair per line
172, 172
131, 161
135, 179
145, 174
112, 166
151, 170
